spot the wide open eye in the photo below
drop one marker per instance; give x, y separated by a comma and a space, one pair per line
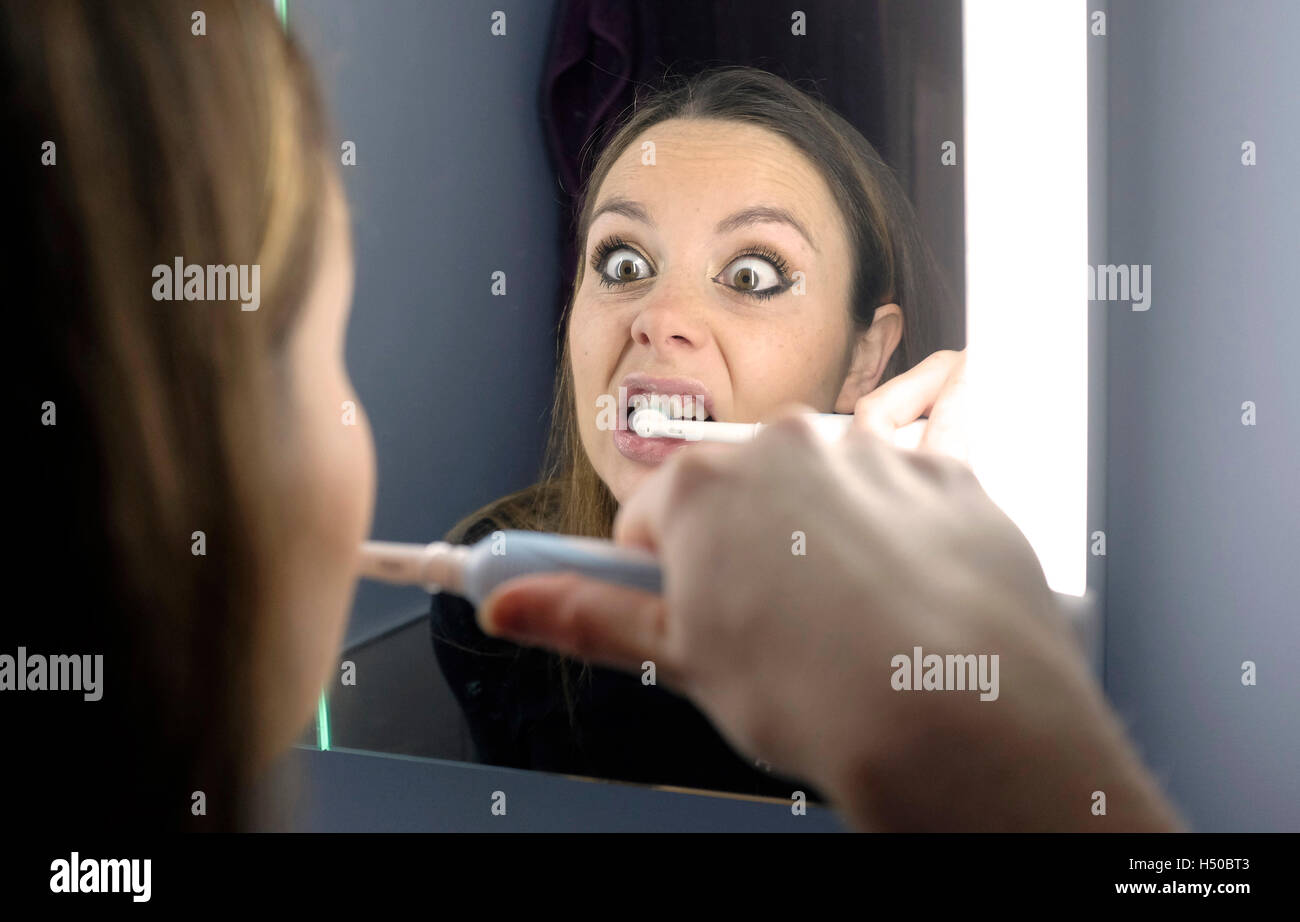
760, 276
619, 265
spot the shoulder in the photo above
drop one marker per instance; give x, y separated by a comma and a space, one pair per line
467, 656
533, 508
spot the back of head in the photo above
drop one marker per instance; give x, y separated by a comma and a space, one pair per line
141, 141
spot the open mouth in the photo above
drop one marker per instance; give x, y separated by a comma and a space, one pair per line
676, 398
674, 404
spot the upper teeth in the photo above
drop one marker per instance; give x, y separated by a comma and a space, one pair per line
674, 406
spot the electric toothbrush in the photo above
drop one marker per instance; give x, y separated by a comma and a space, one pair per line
473, 571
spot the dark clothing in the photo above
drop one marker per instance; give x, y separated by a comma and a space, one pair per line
513, 699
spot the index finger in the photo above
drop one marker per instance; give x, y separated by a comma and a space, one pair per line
946, 430
908, 397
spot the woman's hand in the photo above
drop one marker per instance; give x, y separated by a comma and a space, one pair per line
935, 388
795, 570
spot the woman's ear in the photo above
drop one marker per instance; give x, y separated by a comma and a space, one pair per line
871, 354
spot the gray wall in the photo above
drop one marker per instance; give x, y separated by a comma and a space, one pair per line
451, 183
1202, 511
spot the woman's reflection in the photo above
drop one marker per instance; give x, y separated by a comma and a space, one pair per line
744, 246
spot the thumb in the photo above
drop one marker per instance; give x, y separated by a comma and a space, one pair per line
581, 617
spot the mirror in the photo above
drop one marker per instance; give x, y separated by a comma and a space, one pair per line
467, 134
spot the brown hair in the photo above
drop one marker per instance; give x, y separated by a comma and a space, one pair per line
166, 144
892, 263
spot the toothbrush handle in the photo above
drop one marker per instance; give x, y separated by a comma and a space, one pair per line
508, 554
833, 426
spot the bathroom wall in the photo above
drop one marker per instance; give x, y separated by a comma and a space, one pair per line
450, 185
1203, 512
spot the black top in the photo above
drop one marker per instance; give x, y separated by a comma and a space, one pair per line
514, 701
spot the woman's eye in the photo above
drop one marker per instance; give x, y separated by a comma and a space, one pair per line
753, 275
624, 265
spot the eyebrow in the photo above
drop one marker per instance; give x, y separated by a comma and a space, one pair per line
746, 217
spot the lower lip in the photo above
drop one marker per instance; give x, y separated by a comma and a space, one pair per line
646, 451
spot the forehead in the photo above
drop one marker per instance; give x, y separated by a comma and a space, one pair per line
711, 167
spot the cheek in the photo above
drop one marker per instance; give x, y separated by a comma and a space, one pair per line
339, 495
334, 496
795, 359
326, 504
343, 467
595, 343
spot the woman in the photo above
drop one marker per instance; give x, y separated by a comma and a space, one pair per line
197, 496
743, 247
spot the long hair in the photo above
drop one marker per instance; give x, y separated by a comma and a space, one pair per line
151, 425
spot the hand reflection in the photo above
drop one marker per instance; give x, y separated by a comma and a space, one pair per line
935, 388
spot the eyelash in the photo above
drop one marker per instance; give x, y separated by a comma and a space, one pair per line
610, 244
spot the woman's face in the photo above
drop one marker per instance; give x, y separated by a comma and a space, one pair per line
328, 496
719, 270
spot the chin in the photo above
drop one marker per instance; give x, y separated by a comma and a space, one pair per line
627, 479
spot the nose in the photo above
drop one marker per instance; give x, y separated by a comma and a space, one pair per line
669, 323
